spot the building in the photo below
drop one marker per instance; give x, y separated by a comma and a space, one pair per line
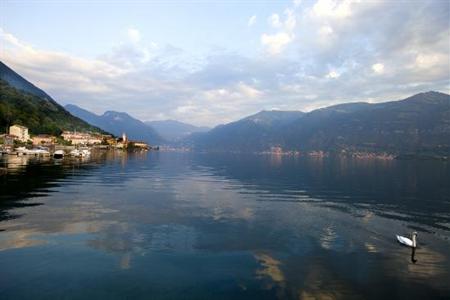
108, 139
8, 139
44, 139
276, 150
140, 144
121, 143
21, 132
81, 138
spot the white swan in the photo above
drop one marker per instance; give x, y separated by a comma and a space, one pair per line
408, 242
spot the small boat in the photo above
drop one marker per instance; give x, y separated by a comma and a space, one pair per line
80, 153
408, 242
38, 152
43, 151
58, 154
85, 152
5, 151
21, 151
30, 152
75, 153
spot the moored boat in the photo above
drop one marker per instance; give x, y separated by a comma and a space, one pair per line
85, 152
38, 152
58, 154
21, 151
80, 153
75, 153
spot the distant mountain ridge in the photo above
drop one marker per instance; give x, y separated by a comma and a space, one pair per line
253, 133
23, 103
274, 117
118, 123
172, 130
418, 124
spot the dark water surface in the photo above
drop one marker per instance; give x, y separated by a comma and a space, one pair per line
204, 226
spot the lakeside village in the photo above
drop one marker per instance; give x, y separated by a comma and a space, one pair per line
75, 144
79, 144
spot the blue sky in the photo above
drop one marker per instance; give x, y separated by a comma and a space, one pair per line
212, 62
92, 27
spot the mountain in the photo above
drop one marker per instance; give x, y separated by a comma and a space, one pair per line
83, 114
23, 103
419, 125
273, 118
253, 133
118, 123
18, 82
172, 130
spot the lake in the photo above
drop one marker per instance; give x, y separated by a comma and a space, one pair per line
166, 225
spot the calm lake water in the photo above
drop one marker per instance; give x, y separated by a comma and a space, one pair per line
204, 226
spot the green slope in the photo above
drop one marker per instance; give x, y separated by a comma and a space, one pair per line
38, 114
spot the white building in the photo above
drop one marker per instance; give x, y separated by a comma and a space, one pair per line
80, 138
21, 132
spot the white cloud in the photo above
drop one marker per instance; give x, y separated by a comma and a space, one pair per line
185, 109
28, 58
238, 92
251, 21
274, 20
290, 20
378, 68
10, 39
325, 30
297, 3
334, 8
333, 74
134, 35
248, 91
275, 43
426, 61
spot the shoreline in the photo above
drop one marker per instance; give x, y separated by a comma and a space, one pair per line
324, 154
